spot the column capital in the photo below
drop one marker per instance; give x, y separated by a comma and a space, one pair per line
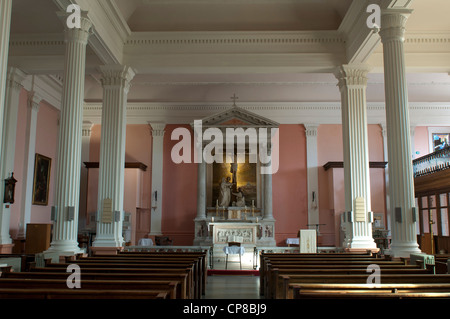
383, 129
34, 100
15, 78
311, 129
157, 128
86, 129
393, 22
115, 75
74, 34
352, 75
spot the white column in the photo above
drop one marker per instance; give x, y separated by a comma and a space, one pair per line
5, 24
401, 182
157, 177
28, 165
352, 84
413, 142
67, 186
116, 83
386, 178
13, 88
268, 207
312, 173
85, 142
201, 190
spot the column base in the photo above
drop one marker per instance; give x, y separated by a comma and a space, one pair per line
99, 251
65, 248
6, 248
398, 250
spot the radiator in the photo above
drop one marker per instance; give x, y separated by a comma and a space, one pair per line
423, 258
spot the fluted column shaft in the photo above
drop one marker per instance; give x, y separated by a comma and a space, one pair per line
268, 204
201, 190
116, 82
312, 173
403, 215
352, 84
157, 177
13, 88
29, 161
67, 188
5, 25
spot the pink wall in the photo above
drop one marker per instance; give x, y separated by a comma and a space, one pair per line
330, 149
289, 185
421, 141
46, 144
179, 203
137, 183
331, 182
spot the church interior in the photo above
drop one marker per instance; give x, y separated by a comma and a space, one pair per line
292, 143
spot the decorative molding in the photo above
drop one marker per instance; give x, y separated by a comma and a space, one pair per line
422, 113
233, 38
138, 165
329, 165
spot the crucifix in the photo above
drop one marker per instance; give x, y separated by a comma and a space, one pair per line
234, 98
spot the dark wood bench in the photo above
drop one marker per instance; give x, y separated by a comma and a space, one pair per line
198, 258
273, 280
52, 283
284, 290
395, 290
194, 283
46, 293
198, 271
179, 278
272, 272
266, 258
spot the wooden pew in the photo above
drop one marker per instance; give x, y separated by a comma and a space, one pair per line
200, 258
275, 280
199, 271
403, 290
180, 279
183, 275
188, 269
265, 258
46, 293
203, 256
287, 282
52, 283
272, 270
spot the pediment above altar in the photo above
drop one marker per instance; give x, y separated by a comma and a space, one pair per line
237, 117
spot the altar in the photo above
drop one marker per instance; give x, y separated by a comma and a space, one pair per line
234, 192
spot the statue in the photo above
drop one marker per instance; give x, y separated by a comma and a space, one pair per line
240, 199
225, 192
233, 170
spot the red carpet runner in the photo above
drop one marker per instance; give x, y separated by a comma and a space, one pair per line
233, 272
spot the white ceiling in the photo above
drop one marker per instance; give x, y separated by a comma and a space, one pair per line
193, 76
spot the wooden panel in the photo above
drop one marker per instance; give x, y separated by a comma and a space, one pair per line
38, 238
143, 221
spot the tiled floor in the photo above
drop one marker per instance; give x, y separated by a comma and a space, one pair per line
232, 287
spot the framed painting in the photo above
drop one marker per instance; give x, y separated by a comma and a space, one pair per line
440, 140
41, 183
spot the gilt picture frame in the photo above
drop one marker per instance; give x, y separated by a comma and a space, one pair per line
41, 182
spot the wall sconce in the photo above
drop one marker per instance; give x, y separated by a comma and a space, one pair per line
155, 200
313, 200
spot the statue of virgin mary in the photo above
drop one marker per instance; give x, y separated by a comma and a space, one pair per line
225, 192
